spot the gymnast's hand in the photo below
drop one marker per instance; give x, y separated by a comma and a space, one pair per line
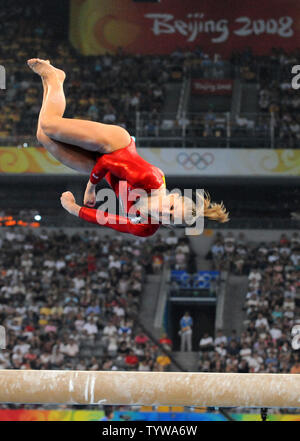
90, 195
68, 202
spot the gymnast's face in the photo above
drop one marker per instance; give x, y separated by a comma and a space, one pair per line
171, 207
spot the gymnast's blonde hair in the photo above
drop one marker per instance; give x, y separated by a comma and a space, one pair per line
211, 210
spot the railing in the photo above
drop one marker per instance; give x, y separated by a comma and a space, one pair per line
209, 129
211, 69
246, 71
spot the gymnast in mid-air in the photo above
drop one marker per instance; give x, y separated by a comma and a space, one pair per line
108, 152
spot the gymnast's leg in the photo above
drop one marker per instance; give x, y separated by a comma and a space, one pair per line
71, 156
89, 135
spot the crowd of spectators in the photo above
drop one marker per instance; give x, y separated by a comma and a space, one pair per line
276, 119
108, 88
111, 88
230, 254
175, 251
276, 96
70, 301
272, 307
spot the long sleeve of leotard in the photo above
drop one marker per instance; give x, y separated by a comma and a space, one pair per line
96, 216
99, 171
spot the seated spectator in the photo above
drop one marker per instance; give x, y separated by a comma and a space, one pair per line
261, 321
275, 331
255, 277
125, 328
166, 342
245, 351
112, 345
141, 338
206, 343
183, 246
277, 312
109, 330
90, 327
172, 239
217, 250
163, 362
131, 360
72, 348
289, 303
94, 308
252, 302
144, 366
220, 338
57, 357
289, 313
221, 349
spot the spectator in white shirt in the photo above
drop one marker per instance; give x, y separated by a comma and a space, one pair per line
119, 311
295, 257
220, 338
172, 239
90, 328
295, 240
273, 257
263, 249
252, 301
275, 332
72, 348
79, 323
289, 303
289, 313
182, 247
261, 321
221, 349
109, 330
255, 362
255, 276
22, 347
206, 343
245, 352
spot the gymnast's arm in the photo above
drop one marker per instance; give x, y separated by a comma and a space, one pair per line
106, 219
99, 170
98, 173
117, 222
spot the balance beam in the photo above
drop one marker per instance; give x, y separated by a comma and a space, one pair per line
150, 388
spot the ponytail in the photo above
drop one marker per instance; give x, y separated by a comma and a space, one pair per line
212, 210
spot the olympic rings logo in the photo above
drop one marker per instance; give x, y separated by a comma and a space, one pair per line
195, 160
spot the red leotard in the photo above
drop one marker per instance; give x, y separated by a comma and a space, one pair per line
124, 165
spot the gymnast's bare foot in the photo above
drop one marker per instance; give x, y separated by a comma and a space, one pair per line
45, 69
59, 73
